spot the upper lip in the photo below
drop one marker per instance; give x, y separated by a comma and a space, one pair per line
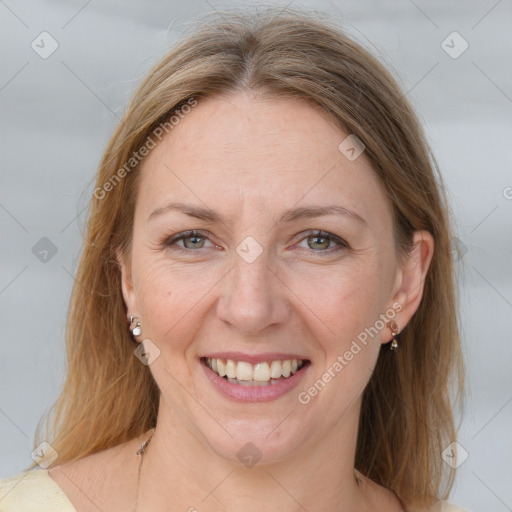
266, 357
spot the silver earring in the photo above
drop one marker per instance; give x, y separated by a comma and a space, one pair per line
135, 327
395, 330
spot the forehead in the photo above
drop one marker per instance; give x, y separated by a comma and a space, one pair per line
239, 150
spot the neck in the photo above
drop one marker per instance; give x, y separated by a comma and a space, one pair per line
318, 476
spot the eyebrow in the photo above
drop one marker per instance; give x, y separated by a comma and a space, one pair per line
305, 212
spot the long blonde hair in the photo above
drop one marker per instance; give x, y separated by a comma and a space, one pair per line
406, 420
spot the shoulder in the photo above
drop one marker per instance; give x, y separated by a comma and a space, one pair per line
32, 491
103, 480
445, 506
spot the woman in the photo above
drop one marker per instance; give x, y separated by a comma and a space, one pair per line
264, 312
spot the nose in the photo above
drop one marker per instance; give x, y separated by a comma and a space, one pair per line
253, 297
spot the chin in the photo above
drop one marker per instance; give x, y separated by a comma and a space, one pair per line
258, 441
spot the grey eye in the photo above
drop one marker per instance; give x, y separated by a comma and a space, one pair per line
318, 242
193, 241
322, 242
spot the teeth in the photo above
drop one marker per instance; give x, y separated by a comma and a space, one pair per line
276, 369
231, 369
221, 367
244, 370
287, 368
260, 372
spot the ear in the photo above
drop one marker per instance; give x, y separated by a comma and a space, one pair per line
410, 280
127, 284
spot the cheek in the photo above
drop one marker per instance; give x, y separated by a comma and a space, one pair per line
348, 307
346, 300
170, 298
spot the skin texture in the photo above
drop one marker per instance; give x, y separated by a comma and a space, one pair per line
251, 159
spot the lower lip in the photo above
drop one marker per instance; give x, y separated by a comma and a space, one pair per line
240, 393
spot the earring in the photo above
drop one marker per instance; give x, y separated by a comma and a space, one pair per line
135, 327
395, 330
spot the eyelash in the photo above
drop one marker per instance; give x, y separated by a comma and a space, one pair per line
308, 234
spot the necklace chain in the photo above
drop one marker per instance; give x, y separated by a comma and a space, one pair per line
141, 451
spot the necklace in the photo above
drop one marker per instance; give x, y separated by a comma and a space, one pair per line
142, 449
141, 452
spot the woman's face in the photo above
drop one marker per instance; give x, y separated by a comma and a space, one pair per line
257, 284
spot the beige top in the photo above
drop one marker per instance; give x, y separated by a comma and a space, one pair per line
36, 491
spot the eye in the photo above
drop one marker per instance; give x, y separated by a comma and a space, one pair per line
191, 240
320, 241
317, 241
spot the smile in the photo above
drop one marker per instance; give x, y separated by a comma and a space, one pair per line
263, 381
259, 374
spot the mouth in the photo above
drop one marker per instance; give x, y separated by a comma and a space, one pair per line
264, 373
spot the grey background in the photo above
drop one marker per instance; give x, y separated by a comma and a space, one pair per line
57, 114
